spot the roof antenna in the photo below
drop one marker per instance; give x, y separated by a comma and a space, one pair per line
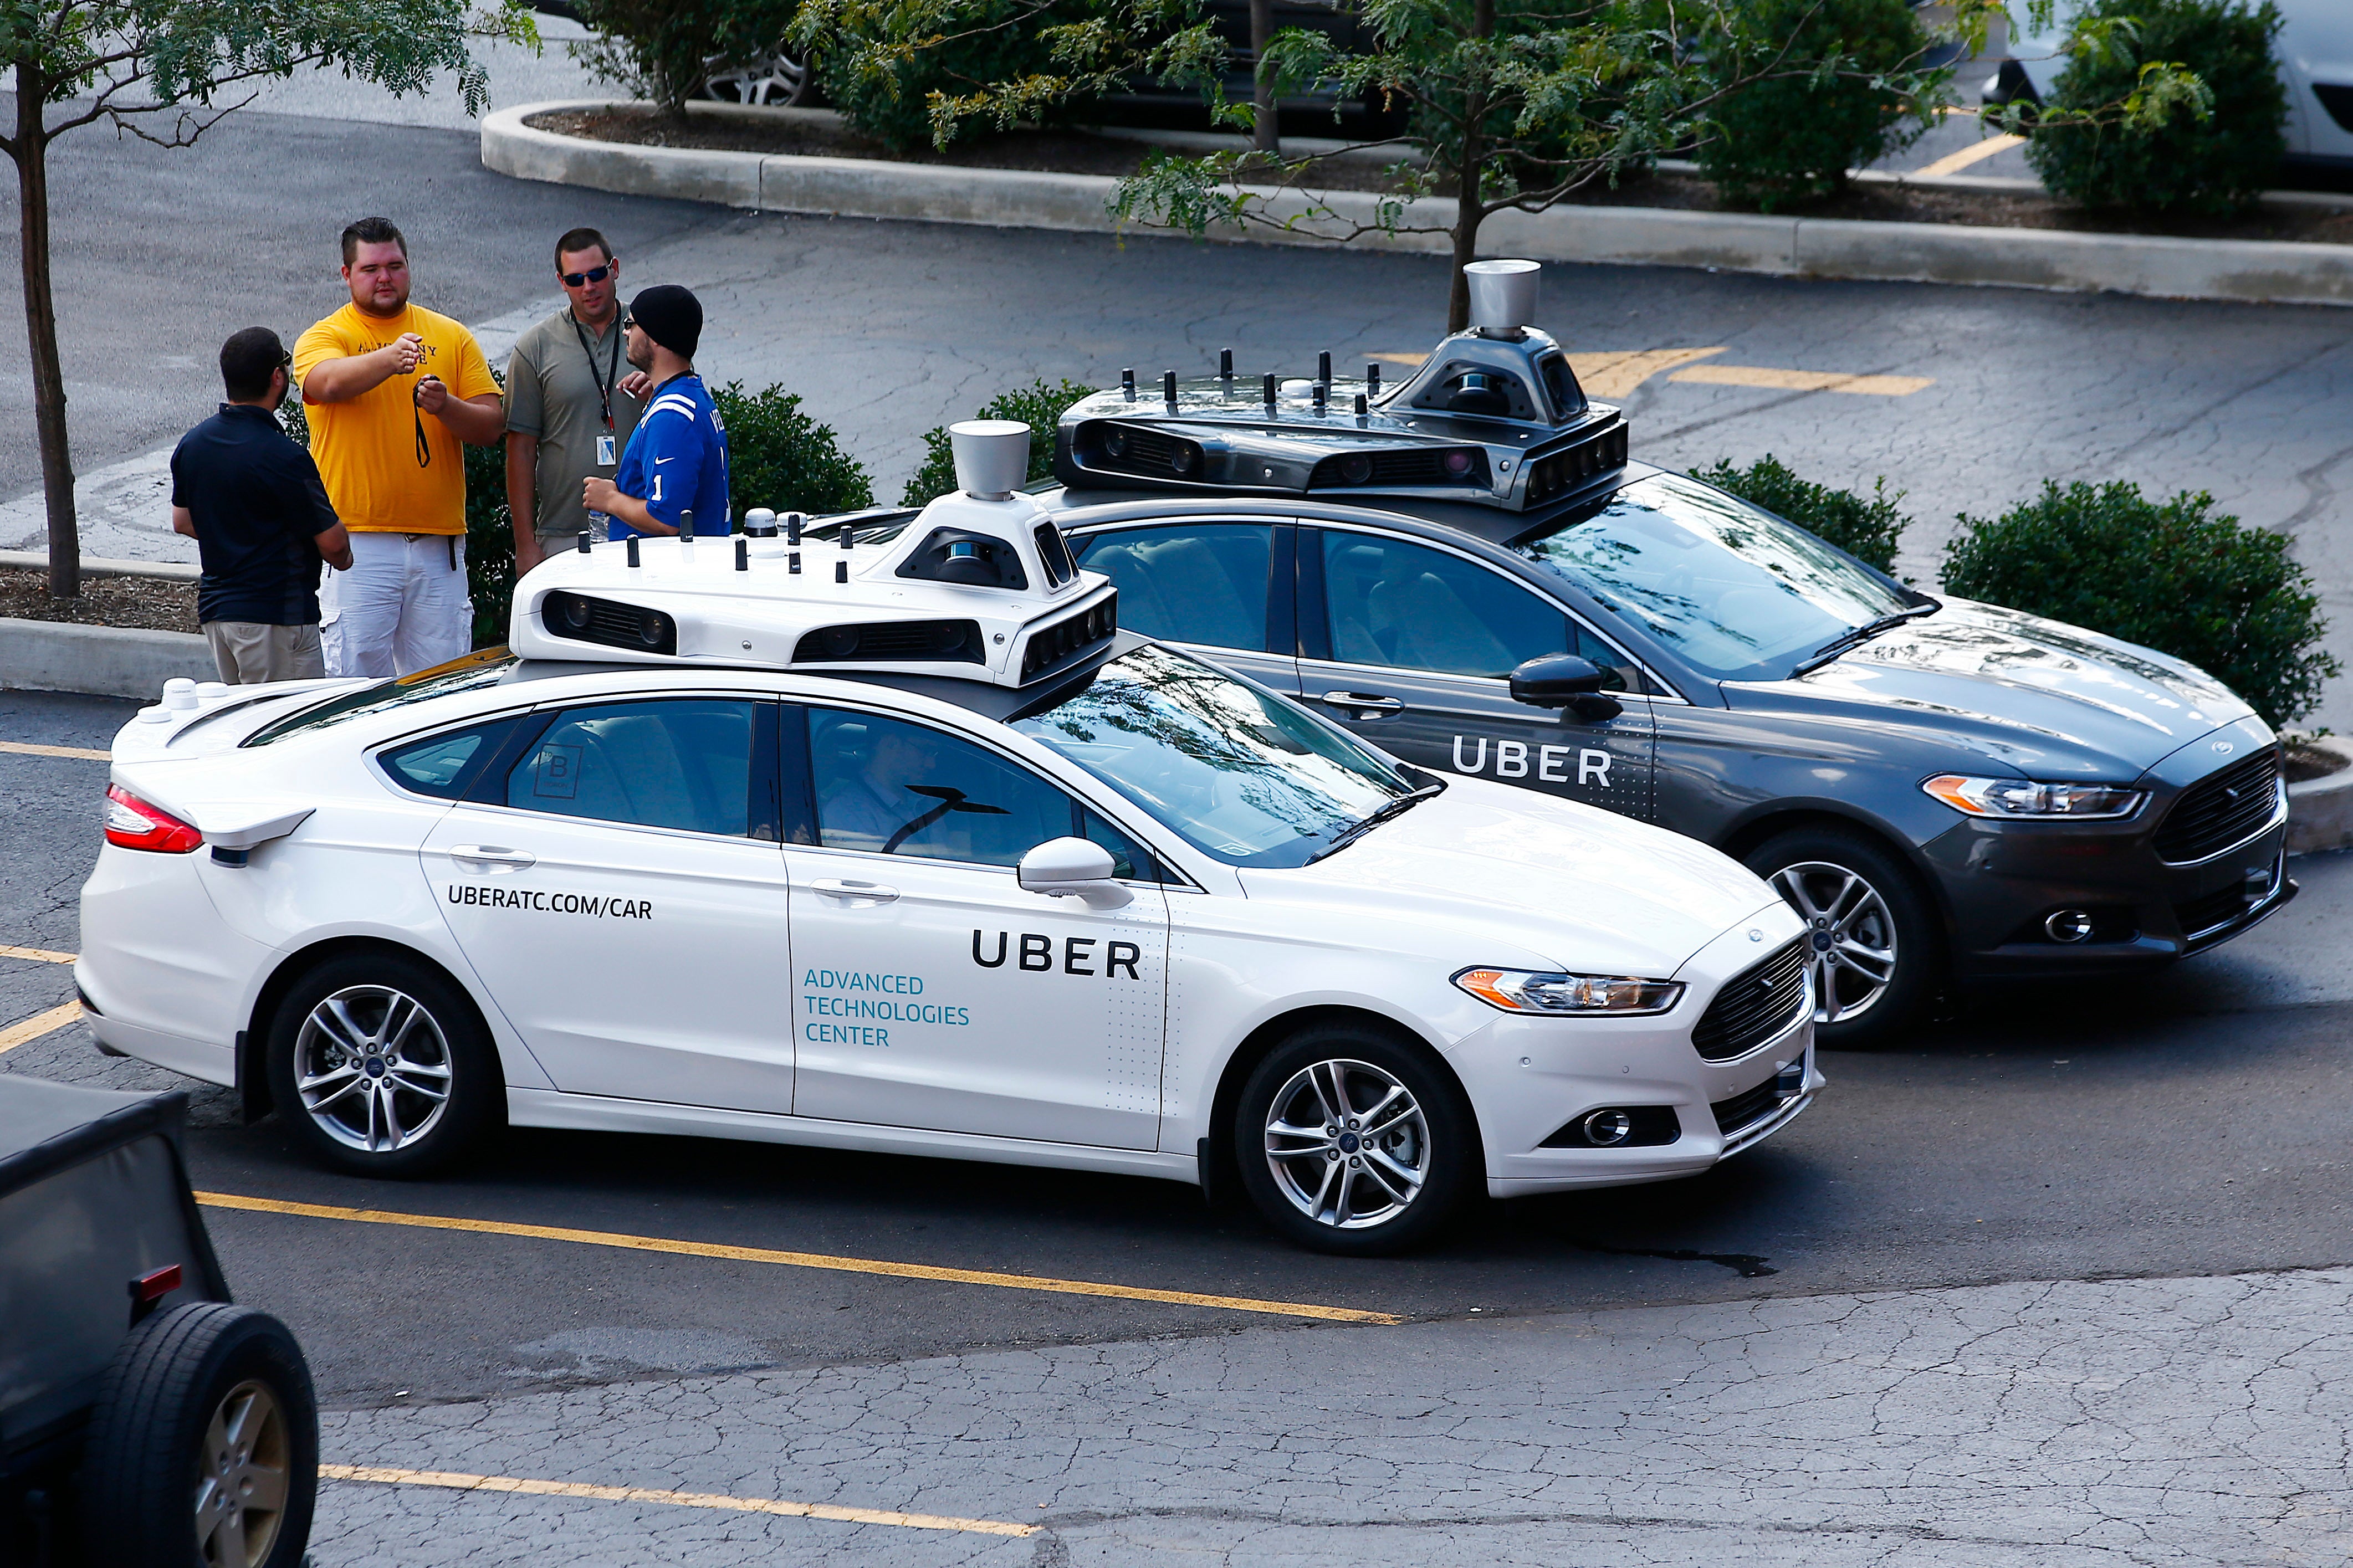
686, 538
1169, 387
793, 521
1226, 367
1372, 378
633, 550
1127, 384
841, 571
1324, 366
1360, 407
1269, 389
846, 534
759, 523
742, 553
1321, 391
793, 564
583, 541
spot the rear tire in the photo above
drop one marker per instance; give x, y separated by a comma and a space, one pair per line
383, 1066
1352, 1141
1875, 950
206, 1433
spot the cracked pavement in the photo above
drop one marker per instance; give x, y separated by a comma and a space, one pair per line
2093, 1424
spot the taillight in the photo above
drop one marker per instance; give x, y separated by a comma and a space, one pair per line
133, 824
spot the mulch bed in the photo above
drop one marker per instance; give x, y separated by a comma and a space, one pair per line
1077, 153
2310, 762
148, 603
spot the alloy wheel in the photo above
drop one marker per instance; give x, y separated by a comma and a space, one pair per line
1850, 936
242, 1479
1347, 1143
373, 1069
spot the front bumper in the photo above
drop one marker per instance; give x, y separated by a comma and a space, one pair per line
2003, 881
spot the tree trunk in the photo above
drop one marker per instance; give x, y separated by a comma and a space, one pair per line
1470, 172
41, 332
1264, 133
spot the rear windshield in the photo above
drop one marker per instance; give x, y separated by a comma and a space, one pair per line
487, 666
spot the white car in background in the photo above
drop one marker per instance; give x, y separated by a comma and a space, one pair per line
2316, 54
906, 847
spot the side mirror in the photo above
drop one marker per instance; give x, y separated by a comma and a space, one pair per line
1564, 680
1073, 868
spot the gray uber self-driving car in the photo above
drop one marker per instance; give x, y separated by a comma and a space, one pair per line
1467, 570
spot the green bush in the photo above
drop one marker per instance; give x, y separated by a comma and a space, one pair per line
1866, 528
2171, 575
661, 49
2216, 165
779, 457
1786, 139
882, 60
1039, 406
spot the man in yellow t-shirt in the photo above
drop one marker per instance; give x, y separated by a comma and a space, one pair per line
390, 390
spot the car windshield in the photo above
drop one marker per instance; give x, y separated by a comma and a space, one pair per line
1240, 773
1737, 592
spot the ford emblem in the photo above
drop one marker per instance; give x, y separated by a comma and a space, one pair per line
2223, 748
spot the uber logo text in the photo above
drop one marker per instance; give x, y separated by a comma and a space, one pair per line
1037, 953
1512, 762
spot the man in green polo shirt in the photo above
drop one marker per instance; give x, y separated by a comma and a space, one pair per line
571, 401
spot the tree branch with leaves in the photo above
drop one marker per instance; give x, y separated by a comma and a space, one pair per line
166, 71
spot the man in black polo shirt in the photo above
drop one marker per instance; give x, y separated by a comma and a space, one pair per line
251, 500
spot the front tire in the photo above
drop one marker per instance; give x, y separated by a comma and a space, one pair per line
206, 1432
382, 1067
1351, 1141
1873, 945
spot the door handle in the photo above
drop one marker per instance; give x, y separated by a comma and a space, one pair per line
1365, 706
852, 892
489, 855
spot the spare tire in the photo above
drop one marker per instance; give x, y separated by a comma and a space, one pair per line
206, 1433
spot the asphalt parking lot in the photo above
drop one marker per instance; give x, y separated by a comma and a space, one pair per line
2191, 1125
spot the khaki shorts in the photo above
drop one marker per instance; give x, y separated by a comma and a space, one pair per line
250, 652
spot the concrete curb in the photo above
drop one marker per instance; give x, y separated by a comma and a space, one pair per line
99, 661
2259, 272
2320, 811
107, 566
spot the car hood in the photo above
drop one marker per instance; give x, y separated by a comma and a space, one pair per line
1501, 872
2052, 700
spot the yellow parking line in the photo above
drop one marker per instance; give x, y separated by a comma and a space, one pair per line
1803, 380
1954, 162
1617, 375
795, 1260
457, 1481
28, 749
37, 954
39, 1024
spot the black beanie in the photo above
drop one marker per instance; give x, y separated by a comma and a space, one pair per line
671, 316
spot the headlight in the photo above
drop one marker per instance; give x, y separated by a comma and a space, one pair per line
2025, 798
1521, 991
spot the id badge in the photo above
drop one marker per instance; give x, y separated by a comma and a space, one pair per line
604, 458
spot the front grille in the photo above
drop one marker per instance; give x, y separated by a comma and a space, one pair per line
902, 642
1753, 1105
2221, 809
1753, 1007
2220, 909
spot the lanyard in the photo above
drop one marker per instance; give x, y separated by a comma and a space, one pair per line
606, 380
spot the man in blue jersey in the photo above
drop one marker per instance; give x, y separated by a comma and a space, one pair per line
676, 461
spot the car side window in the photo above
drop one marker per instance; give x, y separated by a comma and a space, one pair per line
1408, 606
1197, 583
446, 765
680, 763
890, 787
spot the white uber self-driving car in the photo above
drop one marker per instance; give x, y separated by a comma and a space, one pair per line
903, 845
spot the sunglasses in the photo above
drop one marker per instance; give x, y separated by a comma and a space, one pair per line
629, 322
582, 279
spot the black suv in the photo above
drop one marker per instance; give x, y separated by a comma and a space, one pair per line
1468, 571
